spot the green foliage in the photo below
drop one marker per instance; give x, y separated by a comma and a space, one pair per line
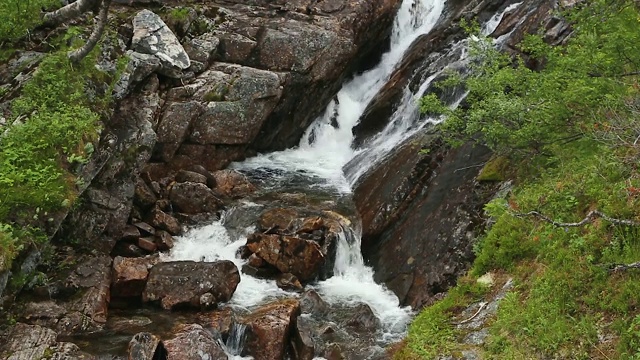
520, 111
576, 113
432, 332
19, 16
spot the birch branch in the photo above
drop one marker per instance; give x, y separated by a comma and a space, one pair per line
589, 218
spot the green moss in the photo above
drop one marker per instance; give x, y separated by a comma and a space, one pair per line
218, 93
19, 16
494, 169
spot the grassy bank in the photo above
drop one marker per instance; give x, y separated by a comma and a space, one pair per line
567, 135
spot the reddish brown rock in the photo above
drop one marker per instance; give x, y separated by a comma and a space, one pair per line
278, 219
217, 320
164, 221
193, 342
130, 275
148, 244
144, 196
311, 224
146, 228
194, 198
269, 329
164, 240
189, 283
255, 261
173, 127
233, 184
288, 282
190, 176
302, 258
131, 233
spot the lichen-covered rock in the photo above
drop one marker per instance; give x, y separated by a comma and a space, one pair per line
152, 36
184, 283
145, 346
233, 184
28, 342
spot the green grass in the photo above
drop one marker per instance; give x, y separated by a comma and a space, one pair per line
20, 16
565, 294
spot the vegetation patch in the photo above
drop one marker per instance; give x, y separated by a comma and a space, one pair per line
569, 132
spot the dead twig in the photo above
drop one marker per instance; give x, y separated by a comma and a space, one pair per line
589, 218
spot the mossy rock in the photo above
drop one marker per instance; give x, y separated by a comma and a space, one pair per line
494, 169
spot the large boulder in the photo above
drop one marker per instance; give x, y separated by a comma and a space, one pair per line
193, 342
289, 254
191, 284
269, 329
419, 216
28, 342
194, 198
152, 36
130, 275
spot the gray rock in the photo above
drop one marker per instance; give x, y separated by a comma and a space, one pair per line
193, 198
182, 283
152, 36
174, 125
202, 47
138, 68
143, 346
193, 342
27, 342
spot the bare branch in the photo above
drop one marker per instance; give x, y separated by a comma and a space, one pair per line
623, 267
589, 218
96, 34
69, 12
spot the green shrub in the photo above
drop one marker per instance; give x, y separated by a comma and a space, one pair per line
20, 16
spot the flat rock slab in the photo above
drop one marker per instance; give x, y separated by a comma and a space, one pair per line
152, 36
191, 284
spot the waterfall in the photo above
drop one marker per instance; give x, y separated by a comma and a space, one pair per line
324, 150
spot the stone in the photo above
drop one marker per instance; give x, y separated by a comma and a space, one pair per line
288, 282
312, 303
130, 275
269, 329
145, 346
28, 342
139, 67
144, 196
362, 320
190, 176
126, 249
194, 198
152, 36
182, 283
219, 321
303, 342
164, 221
311, 224
44, 313
289, 254
202, 48
164, 240
233, 184
146, 228
193, 342
173, 127
255, 261
277, 218
131, 233
148, 244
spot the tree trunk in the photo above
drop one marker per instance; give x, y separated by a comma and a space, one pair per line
96, 34
69, 12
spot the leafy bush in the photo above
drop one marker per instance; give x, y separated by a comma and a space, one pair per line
19, 16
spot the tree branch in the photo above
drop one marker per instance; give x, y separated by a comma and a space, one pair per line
96, 34
622, 267
69, 12
590, 216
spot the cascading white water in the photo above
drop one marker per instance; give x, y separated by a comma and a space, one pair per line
325, 148
323, 151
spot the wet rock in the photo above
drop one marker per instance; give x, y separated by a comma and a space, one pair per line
193, 198
255, 261
145, 346
183, 283
268, 329
211, 180
193, 342
130, 275
233, 184
164, 240
409, 190
362, 320
312, 303
288, 282
302, 258
277, 219
303, 343
220, 321
190, 176
164, 221
28, 342
152, 36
